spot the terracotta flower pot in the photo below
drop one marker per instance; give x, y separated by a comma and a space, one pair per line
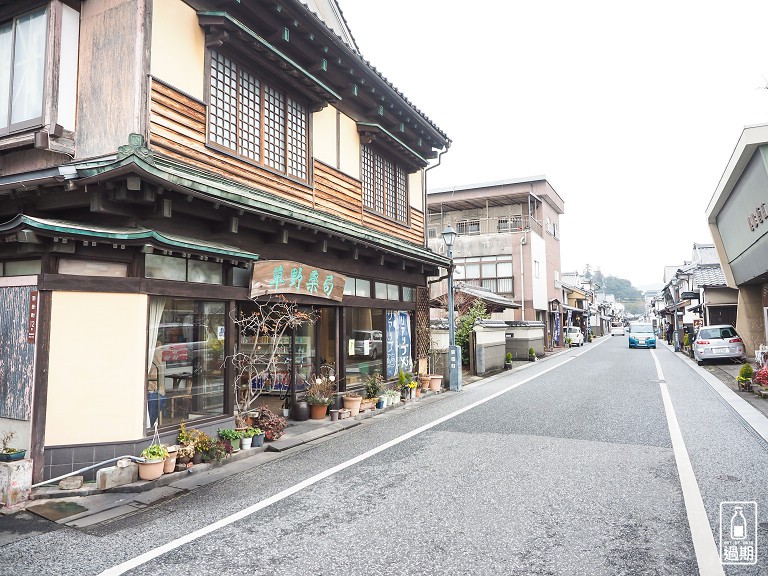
151, 470
169, 464
317, 411
352, 403
435, 382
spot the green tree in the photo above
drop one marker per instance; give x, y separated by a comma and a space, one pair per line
598, 278
465, 323
622, 289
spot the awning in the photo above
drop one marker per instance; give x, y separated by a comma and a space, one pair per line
493, 301
135, 159
124, 235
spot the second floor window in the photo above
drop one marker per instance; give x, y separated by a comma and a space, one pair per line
256, 119
385, 188
22, 70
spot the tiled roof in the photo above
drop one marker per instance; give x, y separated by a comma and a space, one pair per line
709, 276
705, 254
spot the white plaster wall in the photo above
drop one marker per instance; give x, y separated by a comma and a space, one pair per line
178, 47
538, 253
324, 136
96, 381
349, 147
416, 189
485, 335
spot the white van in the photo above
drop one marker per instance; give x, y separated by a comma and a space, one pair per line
575, 335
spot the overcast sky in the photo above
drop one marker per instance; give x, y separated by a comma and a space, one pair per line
630, 109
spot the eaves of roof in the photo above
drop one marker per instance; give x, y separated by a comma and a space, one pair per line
123, 234
174, 174
227, 20
353, 50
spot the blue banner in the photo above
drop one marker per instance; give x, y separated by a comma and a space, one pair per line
398, 343
557, 328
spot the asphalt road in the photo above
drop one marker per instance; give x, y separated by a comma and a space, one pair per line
566, 467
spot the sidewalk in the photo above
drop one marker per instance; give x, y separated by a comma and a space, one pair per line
727, 374
88, 506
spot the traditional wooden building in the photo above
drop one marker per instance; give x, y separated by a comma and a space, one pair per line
160, 159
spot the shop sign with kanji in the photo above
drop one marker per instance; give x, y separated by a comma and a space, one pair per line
287, 277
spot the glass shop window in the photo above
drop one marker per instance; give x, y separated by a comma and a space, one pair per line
185, 372
22, 267
93, 268
365, 346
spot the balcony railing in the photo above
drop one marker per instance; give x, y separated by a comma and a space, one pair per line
491, 225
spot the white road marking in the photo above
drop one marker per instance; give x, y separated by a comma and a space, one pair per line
707, 556
173, 544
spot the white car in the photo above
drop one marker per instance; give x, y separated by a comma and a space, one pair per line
575, 335
617, 329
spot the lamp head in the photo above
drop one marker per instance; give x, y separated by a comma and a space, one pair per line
449, 235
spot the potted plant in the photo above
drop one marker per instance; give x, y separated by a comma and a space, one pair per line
169, 464
8, 454
508, 361
232, 436
744, 379
246, 438
203, 444
531, 355
406, 383
434, 372
154, 461
256, 435
319, 396
217, 451
184, 455
760, 378
272, 424
351, 401
373, 386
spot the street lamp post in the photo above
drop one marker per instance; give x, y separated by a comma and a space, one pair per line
675, 295
454, 352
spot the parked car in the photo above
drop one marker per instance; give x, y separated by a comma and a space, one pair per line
368, 343
574, 333
641, 335
718, 341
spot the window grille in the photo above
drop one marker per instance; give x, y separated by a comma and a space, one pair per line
385, 185
256, 120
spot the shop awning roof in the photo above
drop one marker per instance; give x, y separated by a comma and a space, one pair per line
492, 300
124, 235
138, 160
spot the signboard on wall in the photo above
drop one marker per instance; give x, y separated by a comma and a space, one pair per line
398, 342
287, 277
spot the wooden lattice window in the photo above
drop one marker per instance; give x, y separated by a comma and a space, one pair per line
422, 322
248, 108
256, 120
385, 185
297, 136
366, 174
274, 129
